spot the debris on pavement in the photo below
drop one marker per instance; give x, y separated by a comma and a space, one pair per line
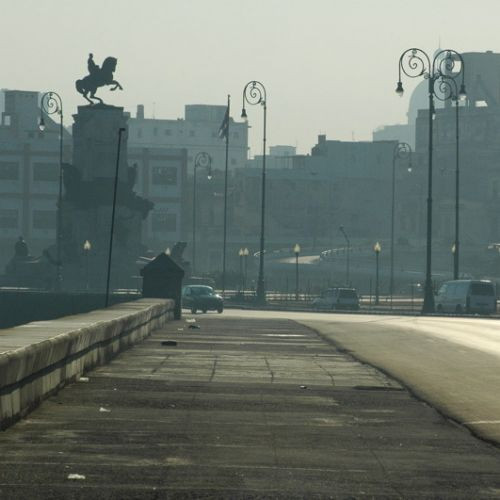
82, 379
303, 386
104, 410
77, 477
195, 327
191, 320
168, 342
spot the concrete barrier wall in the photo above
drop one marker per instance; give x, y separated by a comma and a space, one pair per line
39, 358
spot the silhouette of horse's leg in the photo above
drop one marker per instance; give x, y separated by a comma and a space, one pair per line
116, 85
92, 94
85, 95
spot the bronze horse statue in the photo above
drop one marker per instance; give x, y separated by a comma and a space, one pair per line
97, 77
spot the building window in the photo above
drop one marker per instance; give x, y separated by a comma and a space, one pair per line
44, 219
191, 133
166, 176
9, 218
139, 132
45, 172
168, 132
155, 131
236, 135
215, 134
164, 222
9, 171
233, 161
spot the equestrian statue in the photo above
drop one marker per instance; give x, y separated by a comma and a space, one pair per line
97, 77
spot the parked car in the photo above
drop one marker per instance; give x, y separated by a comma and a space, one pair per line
467, 296
201, 297
337, 298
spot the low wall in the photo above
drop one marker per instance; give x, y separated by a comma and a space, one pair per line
18, 306
39, 358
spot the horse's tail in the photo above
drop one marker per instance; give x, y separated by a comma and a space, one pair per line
79, 86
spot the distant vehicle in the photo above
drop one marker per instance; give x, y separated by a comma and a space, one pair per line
467, 296
337, 298
199, 280
201, 297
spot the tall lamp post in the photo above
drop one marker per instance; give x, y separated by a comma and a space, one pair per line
51, 103
245, 264
241, 253
254, 93
113, 210
414, 63
342, 230
402, 151
86, 248
377, 248
296, 251
201, 160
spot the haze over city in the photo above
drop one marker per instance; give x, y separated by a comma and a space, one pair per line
329, 66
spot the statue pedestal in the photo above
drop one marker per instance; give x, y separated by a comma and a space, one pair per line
88, 199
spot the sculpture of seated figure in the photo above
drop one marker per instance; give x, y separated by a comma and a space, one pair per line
21, 248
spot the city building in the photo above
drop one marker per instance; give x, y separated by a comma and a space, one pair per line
197, 132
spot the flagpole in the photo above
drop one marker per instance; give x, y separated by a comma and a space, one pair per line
225, 200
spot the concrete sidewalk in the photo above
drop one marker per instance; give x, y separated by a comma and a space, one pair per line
241, 408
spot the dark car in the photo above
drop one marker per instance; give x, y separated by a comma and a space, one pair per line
201, 297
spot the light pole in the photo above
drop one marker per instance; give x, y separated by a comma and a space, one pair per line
296, 251
402, 151
414, 63
51, 103
86, 248
342, 230
245, 257
377, 248
201, 160
115, 189
255, 93
241, 254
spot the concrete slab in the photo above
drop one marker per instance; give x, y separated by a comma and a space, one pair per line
236, 411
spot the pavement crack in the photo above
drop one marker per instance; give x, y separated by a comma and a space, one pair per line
214, 368
325, 371
270, 370
154, 370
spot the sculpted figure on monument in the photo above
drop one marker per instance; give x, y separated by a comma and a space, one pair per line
97, 77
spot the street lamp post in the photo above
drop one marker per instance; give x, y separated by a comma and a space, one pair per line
241, 253
254, 93
414, 63
342, 230
296, 251
201, 160
402, 151
51, 103
377, 248
113, 210
245, 264
86, 248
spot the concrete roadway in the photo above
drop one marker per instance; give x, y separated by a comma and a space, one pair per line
246, 406
452, 363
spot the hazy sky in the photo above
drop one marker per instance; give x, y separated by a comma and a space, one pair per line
329, 66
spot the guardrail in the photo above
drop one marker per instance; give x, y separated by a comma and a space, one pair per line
39, 358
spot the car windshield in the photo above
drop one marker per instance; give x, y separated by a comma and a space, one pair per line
482, 289
347, 294
202, 290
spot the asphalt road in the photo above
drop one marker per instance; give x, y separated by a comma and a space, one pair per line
241, 408
452, 363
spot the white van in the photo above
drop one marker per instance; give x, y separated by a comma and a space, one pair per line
467, 296
337, 298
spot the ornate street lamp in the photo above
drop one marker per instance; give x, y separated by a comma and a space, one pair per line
296, 251
241, 254
255, 93
342, 230
402, 151
51, 103
442, 78
201, 160
377, 248
86, 248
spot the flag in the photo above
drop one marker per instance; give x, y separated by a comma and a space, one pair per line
224, 127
